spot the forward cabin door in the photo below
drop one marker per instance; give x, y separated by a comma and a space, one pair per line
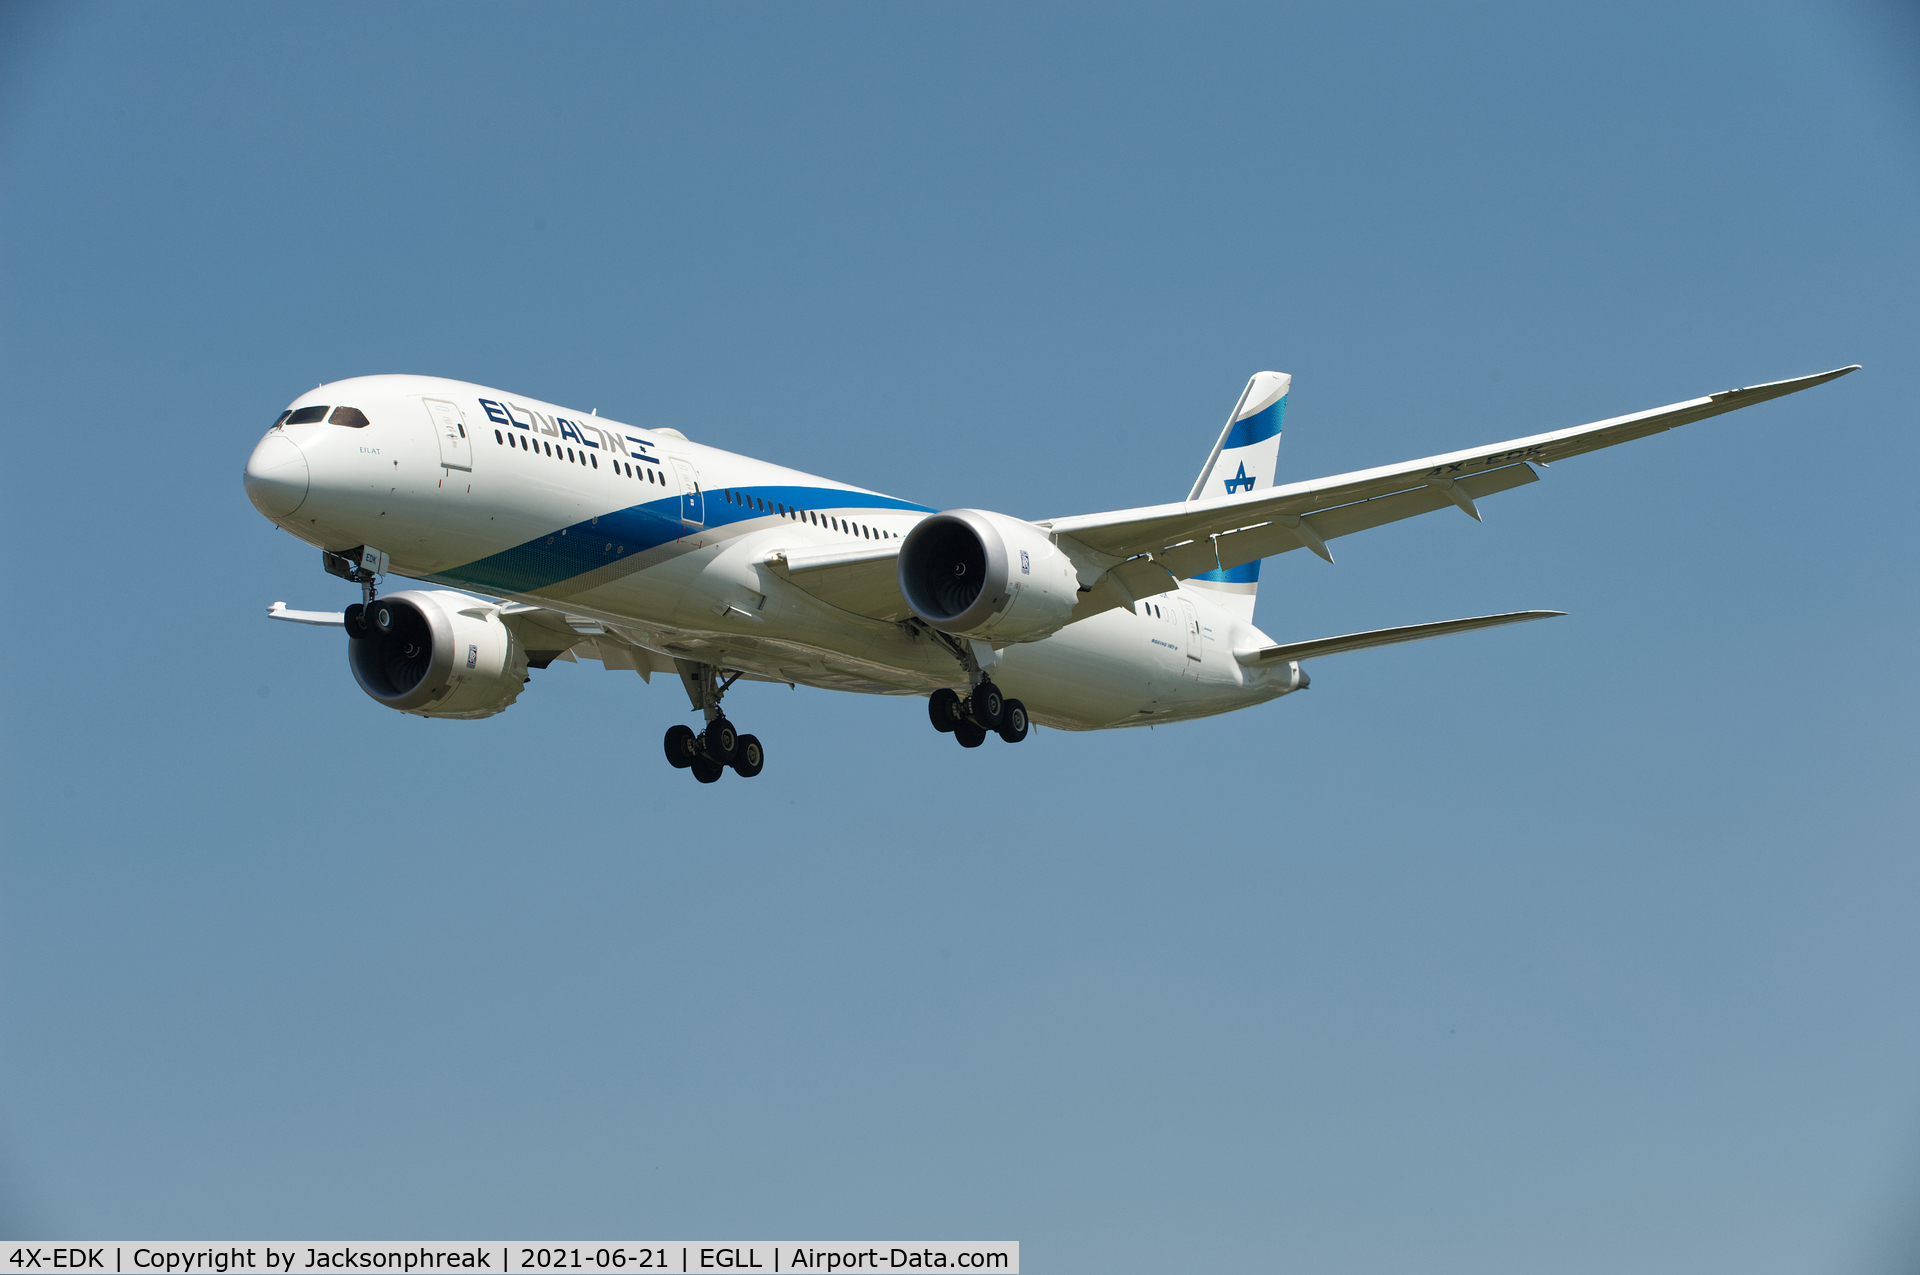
1191, 619
693, 502
456, 449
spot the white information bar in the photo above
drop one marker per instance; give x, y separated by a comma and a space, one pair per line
501, 1257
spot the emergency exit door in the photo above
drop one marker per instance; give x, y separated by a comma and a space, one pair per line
1192, 620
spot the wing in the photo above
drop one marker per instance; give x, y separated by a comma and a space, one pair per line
1142, 550
278, 611
1260, 657
550, 635
864, 581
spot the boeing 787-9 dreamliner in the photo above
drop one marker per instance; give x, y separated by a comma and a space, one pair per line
556, 534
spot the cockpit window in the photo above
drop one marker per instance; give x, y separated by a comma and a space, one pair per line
282, 420
308, 416
351, 417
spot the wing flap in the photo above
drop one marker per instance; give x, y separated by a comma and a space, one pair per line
1154, 573
1363, 515
1261, 657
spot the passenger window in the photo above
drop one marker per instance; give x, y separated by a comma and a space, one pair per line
307, 416
595, 460
499, 440
548, 447
353, 418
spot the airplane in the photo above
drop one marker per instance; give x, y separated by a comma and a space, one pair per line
558, 534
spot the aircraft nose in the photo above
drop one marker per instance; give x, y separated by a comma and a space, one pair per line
277, 476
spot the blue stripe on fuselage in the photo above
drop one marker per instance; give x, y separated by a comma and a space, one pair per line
587, 546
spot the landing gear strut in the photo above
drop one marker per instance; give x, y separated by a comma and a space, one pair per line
709, 753
363, 566
985, 711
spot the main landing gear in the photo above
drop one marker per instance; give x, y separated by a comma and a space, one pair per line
709, 753
985, 711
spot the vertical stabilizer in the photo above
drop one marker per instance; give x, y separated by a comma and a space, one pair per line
1245, 459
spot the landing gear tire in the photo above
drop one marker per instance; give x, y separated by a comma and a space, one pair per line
1014, 728
707, 772
720, 742
987, 708
969, 735
683, 747
749, 758
944, 708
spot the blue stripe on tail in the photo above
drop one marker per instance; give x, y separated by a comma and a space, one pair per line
1258, 428
1245, 573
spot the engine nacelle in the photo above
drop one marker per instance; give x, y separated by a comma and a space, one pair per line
437, 654
985, 575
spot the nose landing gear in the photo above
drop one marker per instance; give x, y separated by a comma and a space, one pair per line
363, 566
709, 753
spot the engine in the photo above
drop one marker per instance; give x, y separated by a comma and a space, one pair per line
435, 654
985, 575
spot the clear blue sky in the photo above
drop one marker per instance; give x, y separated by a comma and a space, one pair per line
1586, 946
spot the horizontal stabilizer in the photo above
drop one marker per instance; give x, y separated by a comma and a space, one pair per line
1260, 657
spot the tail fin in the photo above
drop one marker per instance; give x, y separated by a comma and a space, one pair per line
1244, 459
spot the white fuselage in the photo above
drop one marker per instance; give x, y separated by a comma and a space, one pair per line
514, 498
